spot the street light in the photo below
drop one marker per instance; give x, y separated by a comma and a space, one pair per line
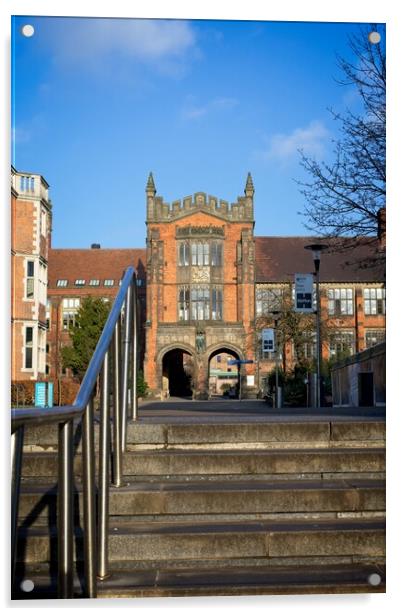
316, 250
276, 315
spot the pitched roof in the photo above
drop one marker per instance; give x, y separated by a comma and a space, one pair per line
95, 263
279, 258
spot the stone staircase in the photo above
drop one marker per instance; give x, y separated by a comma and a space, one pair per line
262, 507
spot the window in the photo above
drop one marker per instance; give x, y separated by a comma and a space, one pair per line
184, 254
200, 253
30, 279
70, 309
140, 282
374, 301
200, 300
216, 311
216, 254
374, 336
340, 302
47, 348
28, 348
79, 282
27, 184
184, 304
94, 282
47, 369
48, 311
307, 346
268, 300
200, 303
341, 344
109, 283
62, 283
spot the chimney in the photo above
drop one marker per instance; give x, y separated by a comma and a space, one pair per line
95, 246
381, 226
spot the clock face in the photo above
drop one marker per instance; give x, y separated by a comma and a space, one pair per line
200, 274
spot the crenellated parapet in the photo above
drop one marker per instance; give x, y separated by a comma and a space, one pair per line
160, 211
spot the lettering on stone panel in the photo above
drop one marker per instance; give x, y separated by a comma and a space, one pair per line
198, 231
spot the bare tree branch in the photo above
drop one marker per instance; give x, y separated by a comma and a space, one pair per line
345, 195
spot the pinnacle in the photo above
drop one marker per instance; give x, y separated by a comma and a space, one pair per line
151, 183
249, 185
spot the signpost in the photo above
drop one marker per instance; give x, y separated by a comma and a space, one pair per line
304, 293
239, 362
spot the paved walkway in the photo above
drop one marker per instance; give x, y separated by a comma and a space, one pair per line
180, 410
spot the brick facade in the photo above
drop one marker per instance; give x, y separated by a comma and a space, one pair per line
195, 221
30, 239
199, 277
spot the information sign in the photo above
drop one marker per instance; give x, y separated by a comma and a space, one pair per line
40, 394
268, 340
304, 293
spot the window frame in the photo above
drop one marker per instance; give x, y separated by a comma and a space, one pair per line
339, 306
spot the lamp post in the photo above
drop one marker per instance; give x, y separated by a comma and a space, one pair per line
316, 250
275, 314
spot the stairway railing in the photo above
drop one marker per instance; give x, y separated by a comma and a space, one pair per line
115, 361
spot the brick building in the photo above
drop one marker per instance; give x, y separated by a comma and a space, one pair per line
73, 275
207, 286
30, 237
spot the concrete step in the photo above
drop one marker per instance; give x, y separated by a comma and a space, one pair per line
282, 433
273, 463
287, 539
171, 582
195, 498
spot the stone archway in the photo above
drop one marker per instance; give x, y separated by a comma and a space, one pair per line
177, 373
223, 377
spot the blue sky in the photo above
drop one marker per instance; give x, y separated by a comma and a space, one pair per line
99, 103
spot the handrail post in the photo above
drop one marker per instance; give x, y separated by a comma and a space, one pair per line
126, 358
103, 490
117, 446
17, 440
65, 528
88, 458
134, 363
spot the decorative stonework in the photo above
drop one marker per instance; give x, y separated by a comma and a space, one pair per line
200, 274
191, 231
160, 211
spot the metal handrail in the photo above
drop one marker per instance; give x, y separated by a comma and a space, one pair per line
121, 370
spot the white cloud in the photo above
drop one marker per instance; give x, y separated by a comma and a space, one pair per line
192, 111
311, 140
76, 40
20, 135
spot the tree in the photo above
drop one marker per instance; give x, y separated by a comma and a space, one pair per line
85, 334
298, 328
345, 195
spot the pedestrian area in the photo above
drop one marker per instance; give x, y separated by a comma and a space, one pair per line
222, 498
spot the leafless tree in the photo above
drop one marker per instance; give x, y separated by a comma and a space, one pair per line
344, 196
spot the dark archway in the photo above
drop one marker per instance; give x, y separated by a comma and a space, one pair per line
223, 377
177, 373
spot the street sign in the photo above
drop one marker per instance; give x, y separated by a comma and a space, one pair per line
304, 293
268, 340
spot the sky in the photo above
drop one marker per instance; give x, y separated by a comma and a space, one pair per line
99, 103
